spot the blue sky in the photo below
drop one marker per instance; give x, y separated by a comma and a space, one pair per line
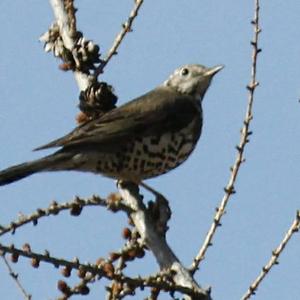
39, 103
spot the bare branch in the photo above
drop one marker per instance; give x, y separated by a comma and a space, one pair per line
156, 241
66, 29
15, 277
244, 139
274, 258
126, 27
54, 208
132, 249
103, 269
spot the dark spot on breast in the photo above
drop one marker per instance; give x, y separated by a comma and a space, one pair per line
171, 149
145, 148
130, 147
151, 154
167, 167
150, 164
172, 159
155, 140
126, 158
116, 167
158, 164
118, 154
142, 164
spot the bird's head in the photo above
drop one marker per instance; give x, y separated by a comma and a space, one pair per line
192, 79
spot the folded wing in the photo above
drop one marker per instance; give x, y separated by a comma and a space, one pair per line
159, 111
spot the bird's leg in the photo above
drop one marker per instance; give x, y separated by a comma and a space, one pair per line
159, 209
154, 237
152, 190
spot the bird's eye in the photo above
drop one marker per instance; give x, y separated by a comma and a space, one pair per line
184, 72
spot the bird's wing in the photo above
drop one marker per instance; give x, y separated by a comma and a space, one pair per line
159, 111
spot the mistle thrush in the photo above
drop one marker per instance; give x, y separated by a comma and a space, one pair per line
144, 138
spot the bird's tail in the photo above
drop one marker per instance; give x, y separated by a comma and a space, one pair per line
47, 163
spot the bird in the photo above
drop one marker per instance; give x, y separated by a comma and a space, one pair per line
141, 139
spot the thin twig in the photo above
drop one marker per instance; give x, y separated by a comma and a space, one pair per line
47, 258
15, 277
74, 206
274, 258
126, 27
159, 280
130, 251
244, 139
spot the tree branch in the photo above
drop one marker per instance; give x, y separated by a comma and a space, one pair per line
15, 277
244, 139
274, 258
165, 257
103, 268
54, 208
126, 27
68, 34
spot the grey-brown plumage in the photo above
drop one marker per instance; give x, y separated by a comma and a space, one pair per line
144, 138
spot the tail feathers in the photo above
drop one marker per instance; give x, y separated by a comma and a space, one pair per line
18, 172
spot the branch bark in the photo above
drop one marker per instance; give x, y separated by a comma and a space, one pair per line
156, 241
67, 34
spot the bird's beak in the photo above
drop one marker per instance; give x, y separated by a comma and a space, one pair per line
214, 70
